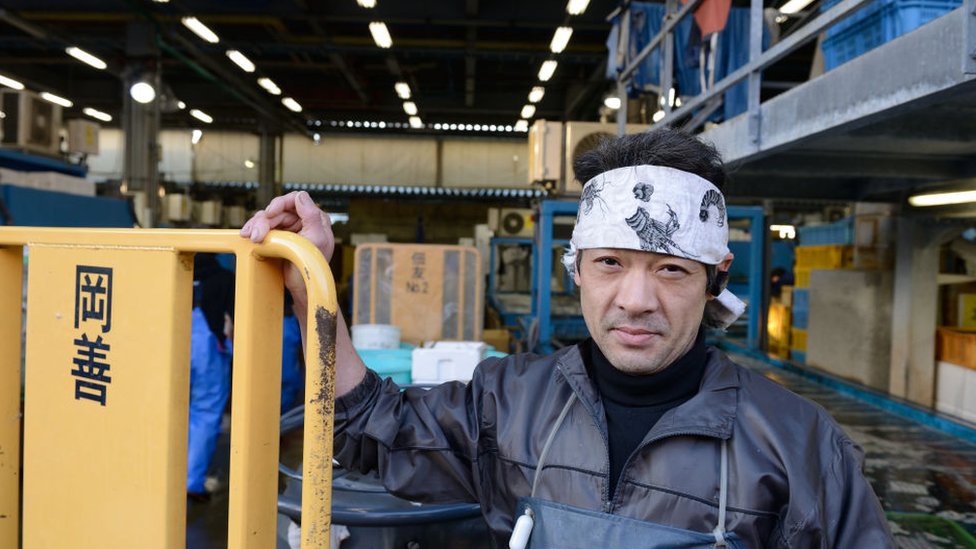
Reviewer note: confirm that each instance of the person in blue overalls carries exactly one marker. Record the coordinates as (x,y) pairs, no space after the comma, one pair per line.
(210,367)
(640,436)
(292,374)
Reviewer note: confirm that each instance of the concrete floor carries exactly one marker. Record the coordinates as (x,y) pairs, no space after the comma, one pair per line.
(924,477)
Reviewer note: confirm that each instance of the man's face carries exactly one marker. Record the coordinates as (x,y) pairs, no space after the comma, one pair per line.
(643,309)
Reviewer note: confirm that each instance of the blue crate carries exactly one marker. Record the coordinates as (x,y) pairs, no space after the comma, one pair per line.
(838,232)
(801,299)
(875,23)
(798,356)
(800,318)
(393,363)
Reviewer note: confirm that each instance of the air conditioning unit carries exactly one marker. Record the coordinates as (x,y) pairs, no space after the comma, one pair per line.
(30,123)
(582,137)
(546,152)
(83,136)
(511,222)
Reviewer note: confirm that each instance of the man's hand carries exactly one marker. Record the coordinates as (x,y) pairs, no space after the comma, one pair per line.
(295,212)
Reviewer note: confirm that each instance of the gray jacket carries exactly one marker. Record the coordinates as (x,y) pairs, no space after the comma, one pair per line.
(795,478)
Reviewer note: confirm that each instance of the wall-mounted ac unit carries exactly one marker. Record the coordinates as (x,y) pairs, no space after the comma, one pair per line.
(546,152)
(582,137)
(511,222)
(30,123)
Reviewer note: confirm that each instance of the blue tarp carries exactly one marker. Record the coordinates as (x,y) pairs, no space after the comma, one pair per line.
(733,52)
(27,207)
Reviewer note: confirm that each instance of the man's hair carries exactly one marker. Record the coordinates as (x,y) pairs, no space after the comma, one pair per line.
(668,148)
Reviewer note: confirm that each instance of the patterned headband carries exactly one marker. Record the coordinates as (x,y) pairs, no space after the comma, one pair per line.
(661,210)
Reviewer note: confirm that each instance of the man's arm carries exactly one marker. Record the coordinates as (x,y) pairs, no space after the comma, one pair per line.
(296,212)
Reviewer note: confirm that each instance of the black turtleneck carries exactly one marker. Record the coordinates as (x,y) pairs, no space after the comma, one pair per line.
(634,403)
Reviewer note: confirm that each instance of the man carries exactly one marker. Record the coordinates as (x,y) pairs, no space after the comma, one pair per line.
(640,436)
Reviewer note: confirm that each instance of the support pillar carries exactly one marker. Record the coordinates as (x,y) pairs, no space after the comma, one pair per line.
(269,186)
(140,126)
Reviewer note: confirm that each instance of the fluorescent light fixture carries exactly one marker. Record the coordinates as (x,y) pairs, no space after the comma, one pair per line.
(241,60)
(410,108)
(528,111)
(658,116)
(522,126)
(85,57)
(671,97)
(201,116)
(402,89)
(248,163)
(317,138)
(415,122)
(291,104)
(785,231)
(560,39)
(196,136)
(10,83)
(161,1)
(576,7)
(142,92)
(104,117)
(368,4)
(548,68)
(612,102)
(200,29)
(56,99)
(794,6)
(942,199)
(180,105)
(381,35)
(536,94)
(269,85)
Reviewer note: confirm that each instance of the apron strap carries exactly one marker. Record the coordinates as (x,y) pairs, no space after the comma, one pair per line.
(549,439)
(723,494)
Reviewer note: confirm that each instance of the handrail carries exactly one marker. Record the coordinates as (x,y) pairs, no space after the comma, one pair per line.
(253,481)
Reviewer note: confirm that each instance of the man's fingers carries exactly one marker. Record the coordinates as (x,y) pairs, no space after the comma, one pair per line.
(281,204)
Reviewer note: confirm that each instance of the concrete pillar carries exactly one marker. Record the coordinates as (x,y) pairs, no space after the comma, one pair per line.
(140,126)
(269,184)
(915,308)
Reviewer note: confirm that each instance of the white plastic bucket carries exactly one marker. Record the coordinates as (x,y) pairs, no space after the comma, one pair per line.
(375,336)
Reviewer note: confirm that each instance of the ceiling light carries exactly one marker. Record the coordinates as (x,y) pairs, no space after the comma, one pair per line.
(536,94)
(658,116)
(240,60)
(521,126)
(528,111)
(509,129)
(612,102)
(200,29)
(142,92)
(10,83)
(161,1)
(560,39)
(291,104)
(104,117)
(548,67)
(85,57)
(942,199)
(317,138)
(576,7)
(671,97)
(269,85)
(196,136)
(180,105)
(415,122)
(368,4)
(248,163)
(381,35)
(794,6)
(402,89)
(410,108)
(785,231)
(201,116)
(56,99)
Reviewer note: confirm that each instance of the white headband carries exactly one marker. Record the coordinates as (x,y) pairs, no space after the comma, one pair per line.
(657,209)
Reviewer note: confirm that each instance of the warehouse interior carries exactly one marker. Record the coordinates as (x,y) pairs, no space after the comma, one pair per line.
(440,138)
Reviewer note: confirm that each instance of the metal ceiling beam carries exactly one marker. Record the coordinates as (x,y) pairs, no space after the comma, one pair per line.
(470,62)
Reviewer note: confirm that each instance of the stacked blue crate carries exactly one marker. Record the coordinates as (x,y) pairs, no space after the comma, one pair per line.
(801,308)
(839,232)
(875,23)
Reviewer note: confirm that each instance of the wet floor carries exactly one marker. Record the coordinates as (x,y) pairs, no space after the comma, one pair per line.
(925,478)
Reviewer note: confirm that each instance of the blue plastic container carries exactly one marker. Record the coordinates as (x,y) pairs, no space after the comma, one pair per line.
(798,356)
(838,232)
(801,299)
(392,363)
(801,318)
(876,23)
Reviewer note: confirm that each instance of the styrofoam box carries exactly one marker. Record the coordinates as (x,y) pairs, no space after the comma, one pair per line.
(955,392)
(447,361)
